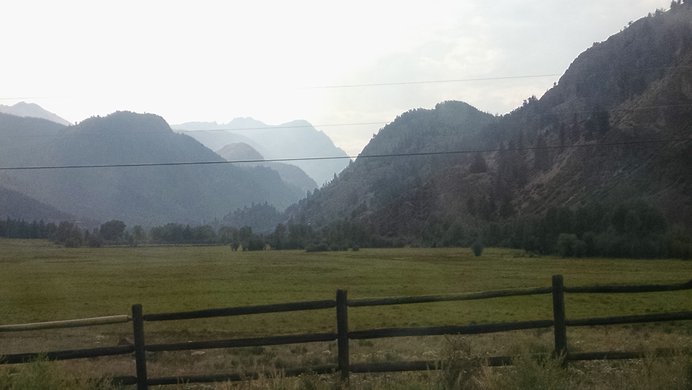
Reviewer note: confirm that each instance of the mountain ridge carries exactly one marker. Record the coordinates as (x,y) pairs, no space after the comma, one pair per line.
(290,174)
(292,140)
(538,156)
(138,195)
(32,110)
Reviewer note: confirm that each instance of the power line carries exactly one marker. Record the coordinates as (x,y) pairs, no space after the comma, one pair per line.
(279,127)
(349,124)
(399,83)
(322,158)
(381,84)
(272,127)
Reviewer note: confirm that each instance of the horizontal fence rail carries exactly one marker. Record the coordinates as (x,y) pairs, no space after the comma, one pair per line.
(245,310)
(342,334)
(67,355)
(241,343)
(448,298)
(66,323)
(421,365)
(633,319)
(631,288)
(447,330)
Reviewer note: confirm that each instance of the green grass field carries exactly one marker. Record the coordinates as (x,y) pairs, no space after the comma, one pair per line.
(43,282)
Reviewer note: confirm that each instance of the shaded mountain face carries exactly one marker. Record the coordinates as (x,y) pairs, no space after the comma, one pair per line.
(15,205)
(31,110)
(144,195)
(635,86)
(631,94)
(297,139)
(25,140)
(394,195)
(290,174)
(239,151)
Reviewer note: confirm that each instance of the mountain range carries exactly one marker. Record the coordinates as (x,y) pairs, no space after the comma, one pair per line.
(32,110)
(615,128)
(139,194)
(290,174)
(293,140)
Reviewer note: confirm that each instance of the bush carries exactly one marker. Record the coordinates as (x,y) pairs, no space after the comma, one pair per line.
(528,372)
(321,247)
(477,248)
(459,369)
(43,374)
(568,245)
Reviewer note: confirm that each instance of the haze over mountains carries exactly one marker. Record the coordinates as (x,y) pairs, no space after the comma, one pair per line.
(290,174)
(139,195)
(293,140)
(616,128)
(32,110)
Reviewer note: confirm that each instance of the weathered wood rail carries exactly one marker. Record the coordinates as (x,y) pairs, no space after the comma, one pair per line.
(342,335)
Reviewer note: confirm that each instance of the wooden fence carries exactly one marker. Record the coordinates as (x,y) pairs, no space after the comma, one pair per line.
(342,335)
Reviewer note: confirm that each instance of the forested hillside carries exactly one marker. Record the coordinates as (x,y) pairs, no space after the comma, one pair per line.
(614,132)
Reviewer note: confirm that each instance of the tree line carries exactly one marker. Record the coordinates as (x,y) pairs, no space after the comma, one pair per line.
(634,229)
(339,236)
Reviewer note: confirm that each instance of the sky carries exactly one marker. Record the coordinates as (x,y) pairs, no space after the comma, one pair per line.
(347,67)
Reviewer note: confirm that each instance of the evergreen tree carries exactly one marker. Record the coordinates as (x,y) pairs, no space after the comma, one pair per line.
(478,165)
(541,159)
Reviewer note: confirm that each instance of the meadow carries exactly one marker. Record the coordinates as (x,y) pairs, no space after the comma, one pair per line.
(40,281)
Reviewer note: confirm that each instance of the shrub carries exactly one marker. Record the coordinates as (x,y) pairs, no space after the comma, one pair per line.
(477,248)
(458,368)
(321,247)
(43,374)
(529,372)
(654,373)
(568,245)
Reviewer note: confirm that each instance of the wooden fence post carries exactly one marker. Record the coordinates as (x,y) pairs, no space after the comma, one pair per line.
(140,352)
(342,333)
(559,325)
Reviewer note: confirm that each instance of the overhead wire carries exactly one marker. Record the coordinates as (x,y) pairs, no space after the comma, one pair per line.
(279,127)
(444,81)
(317,158)
(381,84)
(398,83)
(361,156)
(178,129)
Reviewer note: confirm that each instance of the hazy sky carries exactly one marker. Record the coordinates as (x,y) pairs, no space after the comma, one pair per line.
(282,60)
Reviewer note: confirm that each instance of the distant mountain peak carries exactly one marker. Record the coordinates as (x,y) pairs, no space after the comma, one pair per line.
(295,140)
(239,151)
(32,110)
(120,121)
(245,122)
(298,122)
